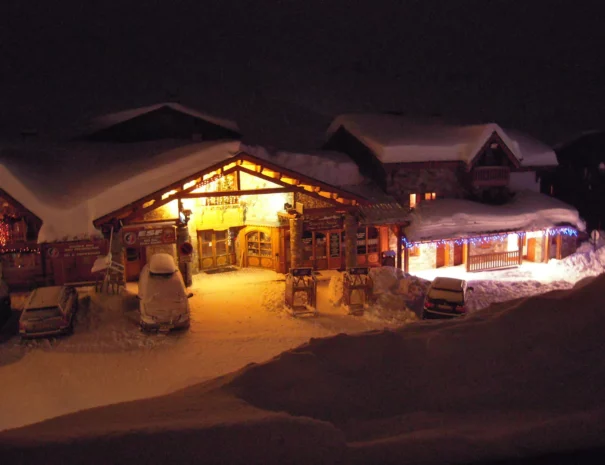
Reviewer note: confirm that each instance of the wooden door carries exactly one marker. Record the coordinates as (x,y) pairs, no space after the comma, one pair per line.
(440,251)
(458,254)
(335,249)
(531,249)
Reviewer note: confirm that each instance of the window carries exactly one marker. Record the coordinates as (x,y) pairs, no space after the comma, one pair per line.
(415,199)
(412,200)
(259,244)
(367,240)
(415,251)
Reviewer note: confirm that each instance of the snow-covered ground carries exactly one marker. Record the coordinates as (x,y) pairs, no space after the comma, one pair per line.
(517,379)
(238,318)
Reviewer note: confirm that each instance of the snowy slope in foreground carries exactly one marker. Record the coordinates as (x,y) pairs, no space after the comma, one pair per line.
(518,379)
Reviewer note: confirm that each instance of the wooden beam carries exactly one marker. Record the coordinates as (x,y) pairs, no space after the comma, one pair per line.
(201,195)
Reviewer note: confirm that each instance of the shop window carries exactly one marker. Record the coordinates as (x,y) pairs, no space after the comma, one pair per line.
(259,244)
(367,240)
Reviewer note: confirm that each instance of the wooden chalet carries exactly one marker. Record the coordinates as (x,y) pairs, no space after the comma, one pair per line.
(425,162)
(248,212)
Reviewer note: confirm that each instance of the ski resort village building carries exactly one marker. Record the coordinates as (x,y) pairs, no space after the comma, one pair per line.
(169,179)
(473,191)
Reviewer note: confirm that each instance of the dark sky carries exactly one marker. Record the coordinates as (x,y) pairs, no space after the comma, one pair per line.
(283,69)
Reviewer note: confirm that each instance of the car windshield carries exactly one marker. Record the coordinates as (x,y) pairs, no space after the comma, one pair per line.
(446,294)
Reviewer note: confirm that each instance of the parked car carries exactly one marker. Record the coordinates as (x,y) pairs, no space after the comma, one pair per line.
(49,311)
(5,302)
(446,298)
(163,297)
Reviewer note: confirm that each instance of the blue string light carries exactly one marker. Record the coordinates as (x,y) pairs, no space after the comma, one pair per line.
(487,239)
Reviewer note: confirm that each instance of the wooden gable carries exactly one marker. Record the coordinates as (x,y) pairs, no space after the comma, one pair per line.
(494,147)
(283,179)
(20,223)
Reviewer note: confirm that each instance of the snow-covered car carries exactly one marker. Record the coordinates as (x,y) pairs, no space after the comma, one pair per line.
(5,302)
(446,298)
(49,311)
(163,297)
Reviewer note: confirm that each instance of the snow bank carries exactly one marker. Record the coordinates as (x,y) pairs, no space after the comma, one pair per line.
(518,379)
(397,297)
(447,218)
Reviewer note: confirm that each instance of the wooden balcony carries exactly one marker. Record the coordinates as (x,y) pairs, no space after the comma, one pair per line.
(493,261)
(489,176)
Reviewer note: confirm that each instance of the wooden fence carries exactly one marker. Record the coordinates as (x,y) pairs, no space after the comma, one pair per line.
(493,261)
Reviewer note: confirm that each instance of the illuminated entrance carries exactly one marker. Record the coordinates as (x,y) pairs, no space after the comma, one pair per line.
(215,248)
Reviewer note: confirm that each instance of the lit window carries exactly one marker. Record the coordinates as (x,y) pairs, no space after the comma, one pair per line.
(412,200)
(430,196)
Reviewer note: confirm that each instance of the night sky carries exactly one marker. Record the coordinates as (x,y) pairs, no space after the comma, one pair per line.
(283,69)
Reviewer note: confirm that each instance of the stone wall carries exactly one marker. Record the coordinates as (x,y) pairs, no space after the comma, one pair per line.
(445,182)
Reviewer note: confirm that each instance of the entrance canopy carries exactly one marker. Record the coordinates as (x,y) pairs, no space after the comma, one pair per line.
(451,218)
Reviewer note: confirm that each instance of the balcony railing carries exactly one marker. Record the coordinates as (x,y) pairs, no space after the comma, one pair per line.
(493,261)
(486,176)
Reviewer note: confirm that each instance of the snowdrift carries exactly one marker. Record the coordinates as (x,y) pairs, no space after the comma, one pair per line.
(517,379)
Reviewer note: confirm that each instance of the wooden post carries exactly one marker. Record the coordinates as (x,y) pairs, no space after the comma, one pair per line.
(399,247)
(520,247)
(467,254)
(350,227)
(559,244)
(406,260)
(296,226)
(545,246)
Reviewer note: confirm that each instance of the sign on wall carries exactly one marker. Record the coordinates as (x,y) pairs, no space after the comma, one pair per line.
(74,249)
(149,236)
(326,222)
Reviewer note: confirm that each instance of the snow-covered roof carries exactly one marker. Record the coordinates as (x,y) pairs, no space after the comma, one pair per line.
(449,218)
(334,168)
(69,185)
(396,139)
(112,119)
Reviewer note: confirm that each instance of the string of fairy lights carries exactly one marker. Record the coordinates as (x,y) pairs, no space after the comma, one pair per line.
(479,240)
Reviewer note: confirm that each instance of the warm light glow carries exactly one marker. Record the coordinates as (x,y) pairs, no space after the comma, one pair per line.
(168,194)
(189,184)
(412,200)
(512,243)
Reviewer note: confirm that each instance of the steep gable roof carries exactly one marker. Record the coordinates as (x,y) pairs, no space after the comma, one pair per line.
(112,119)
(396,139)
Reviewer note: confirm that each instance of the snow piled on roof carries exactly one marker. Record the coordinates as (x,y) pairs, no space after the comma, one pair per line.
(112,119)
(472,390)
(448,218)
(396,139)
(333,168)
(68,186)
